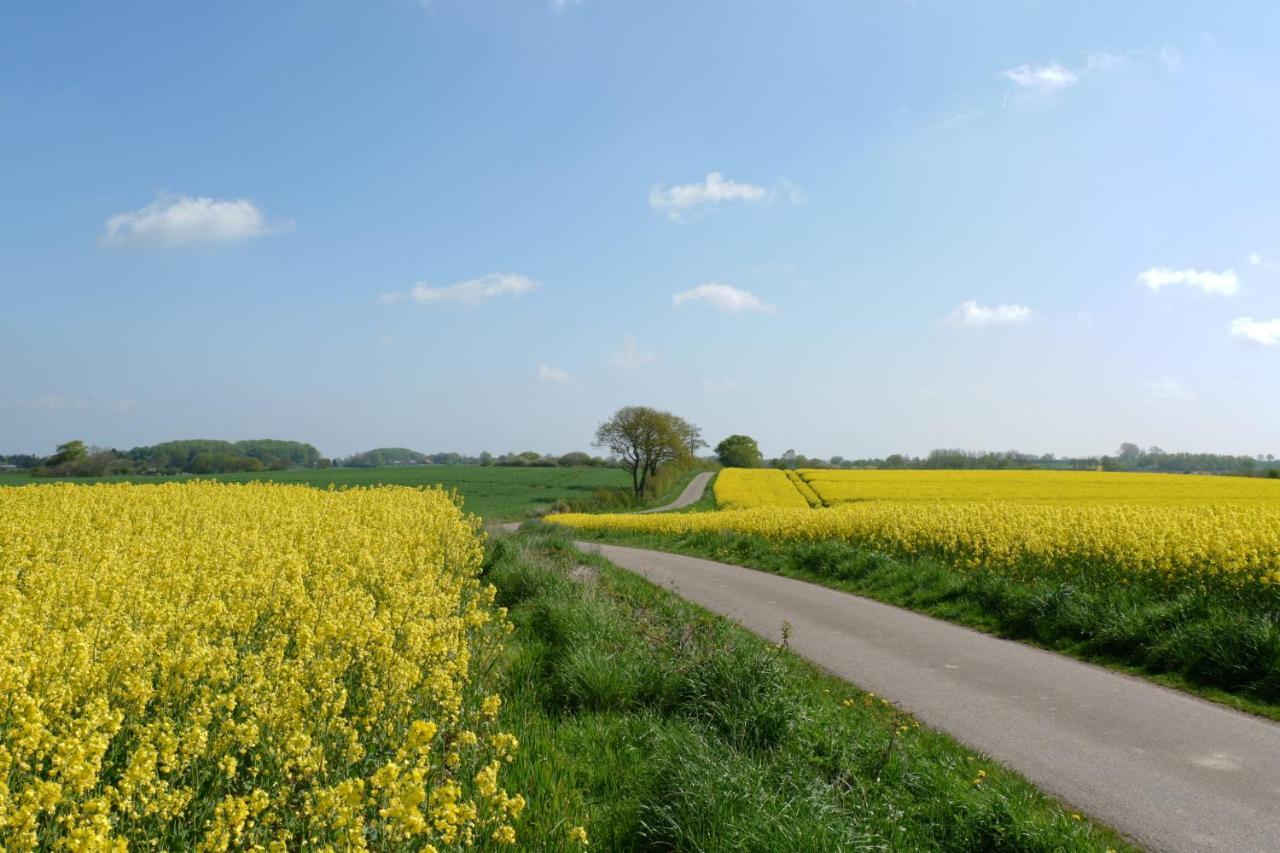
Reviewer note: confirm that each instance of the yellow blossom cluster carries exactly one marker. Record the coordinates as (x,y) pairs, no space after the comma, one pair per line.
(1230,543)
(741,488)
(204,666)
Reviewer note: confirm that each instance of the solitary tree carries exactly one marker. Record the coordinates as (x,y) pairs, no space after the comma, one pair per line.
(645,439)
(739,451)
(71,451)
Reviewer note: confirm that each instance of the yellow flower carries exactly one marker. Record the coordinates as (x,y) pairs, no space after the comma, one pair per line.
(1204,533)
(276,635)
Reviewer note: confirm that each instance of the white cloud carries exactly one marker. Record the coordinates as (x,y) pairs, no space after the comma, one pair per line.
(564,5)
(1032,79)
(723,297)
(1158,278)
(714,189)
(471,292)
(1255,258)
(1264,332)
(971,314)
(547,373)
(172,221)
(631,355)
(1167,389)
(1041,78)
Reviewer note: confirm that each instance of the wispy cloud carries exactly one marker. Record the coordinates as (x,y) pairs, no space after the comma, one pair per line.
(471,292)
(723,297)
(630,355)
(1041,78)
(970,314)
(547,373)
(564,5)
(792,191)
(1166,389)
(1032,80)
(1264,332)
(960,118)
(172,221)
(1223,283)
(715,189)
(1256,260)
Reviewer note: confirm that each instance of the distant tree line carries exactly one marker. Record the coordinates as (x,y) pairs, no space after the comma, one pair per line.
(194,456)
(1131,457)
(639,439)
(740,451)
(387,456)
(20,460)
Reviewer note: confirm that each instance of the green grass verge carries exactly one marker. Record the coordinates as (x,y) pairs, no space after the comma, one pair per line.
(659,726)
(1227,651)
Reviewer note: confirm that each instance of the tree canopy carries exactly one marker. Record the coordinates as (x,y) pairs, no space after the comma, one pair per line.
(645,439)
(380,456)
(739,451)
(209,456)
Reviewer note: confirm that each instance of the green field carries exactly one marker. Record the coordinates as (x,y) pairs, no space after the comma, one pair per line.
(496,493)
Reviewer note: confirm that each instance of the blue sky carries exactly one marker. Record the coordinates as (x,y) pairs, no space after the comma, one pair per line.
(847,228)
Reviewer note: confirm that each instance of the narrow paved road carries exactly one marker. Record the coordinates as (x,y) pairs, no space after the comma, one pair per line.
(691,495)
(1171,771)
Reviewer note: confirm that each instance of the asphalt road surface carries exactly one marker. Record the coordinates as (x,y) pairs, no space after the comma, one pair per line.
(691,495)
(1170,771)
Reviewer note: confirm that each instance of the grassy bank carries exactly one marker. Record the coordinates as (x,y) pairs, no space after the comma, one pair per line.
(658,726)
(1226,649)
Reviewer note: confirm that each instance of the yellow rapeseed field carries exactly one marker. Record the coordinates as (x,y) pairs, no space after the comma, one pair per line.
(207,667)
(740,488)
(1107,528)
(1042,487)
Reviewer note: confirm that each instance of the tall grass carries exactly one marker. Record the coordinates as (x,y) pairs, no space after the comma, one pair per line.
(661,727)
(1227,646)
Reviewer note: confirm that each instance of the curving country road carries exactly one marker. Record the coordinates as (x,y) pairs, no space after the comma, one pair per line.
(691,495)
(1170,771)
